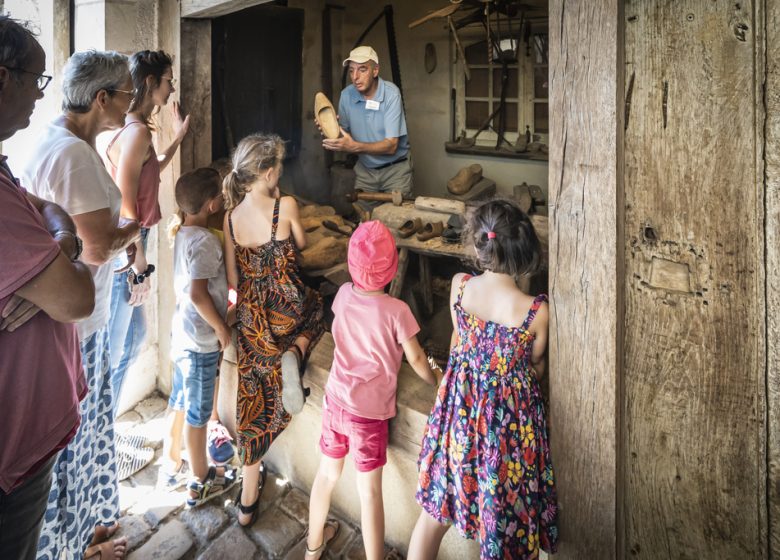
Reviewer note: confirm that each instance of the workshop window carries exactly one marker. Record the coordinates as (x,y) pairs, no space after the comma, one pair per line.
(522,68)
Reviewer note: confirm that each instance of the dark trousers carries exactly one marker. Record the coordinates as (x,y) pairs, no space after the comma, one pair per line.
(21,514)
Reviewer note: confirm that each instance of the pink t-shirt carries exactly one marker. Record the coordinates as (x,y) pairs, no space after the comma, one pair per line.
(368,332)
(41,379)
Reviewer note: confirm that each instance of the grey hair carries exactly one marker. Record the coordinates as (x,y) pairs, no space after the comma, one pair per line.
(88,72)
(16,43)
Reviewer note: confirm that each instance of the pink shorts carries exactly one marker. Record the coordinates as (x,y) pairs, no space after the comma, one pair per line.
(342,430)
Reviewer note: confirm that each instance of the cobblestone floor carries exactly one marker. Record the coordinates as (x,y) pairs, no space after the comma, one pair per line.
(159,527)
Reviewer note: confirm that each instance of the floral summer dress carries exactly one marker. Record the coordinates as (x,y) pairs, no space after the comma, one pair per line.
(274,308)
(485,461)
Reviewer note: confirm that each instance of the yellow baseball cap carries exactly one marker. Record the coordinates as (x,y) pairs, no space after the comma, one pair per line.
(361,54)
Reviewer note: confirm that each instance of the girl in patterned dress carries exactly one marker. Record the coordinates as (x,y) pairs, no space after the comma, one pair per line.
(278,317)
(485,461)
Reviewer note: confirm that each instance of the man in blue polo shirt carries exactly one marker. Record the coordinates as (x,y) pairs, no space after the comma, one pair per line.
(373,126)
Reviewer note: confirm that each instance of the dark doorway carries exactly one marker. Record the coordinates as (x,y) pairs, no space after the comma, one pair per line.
(257,58)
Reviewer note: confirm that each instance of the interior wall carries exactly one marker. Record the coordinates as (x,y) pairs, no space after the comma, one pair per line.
(426,99)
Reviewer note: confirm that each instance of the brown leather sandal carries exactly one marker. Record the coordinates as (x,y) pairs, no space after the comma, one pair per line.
(317,552)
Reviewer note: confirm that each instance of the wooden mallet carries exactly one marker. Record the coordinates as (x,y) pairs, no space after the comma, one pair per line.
(396,197)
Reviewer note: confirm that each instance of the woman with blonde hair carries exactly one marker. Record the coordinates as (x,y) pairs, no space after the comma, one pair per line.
(278,317)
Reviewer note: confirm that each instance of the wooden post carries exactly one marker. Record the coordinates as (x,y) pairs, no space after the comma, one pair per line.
(586,91)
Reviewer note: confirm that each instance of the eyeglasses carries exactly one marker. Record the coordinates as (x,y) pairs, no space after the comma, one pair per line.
(131,93)
(42,79)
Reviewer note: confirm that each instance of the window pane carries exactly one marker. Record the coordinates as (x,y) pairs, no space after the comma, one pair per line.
(477,86)
(540,82)
(477,53)
(511,117)
(511,86)
(541,123)
(476,113)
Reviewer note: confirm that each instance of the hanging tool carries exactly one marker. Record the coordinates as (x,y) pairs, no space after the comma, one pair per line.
(461,52)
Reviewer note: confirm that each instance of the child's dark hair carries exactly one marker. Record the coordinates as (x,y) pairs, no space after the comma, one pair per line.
(504,239)
(253,156)
(142,65)
(192,191)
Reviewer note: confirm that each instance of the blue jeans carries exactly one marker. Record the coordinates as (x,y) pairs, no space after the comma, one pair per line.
(194,376)
(126,327)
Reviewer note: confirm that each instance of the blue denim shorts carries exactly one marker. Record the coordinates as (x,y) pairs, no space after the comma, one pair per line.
(194,374)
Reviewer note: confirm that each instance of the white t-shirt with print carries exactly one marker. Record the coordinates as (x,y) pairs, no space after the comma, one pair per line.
(197,255)
(66,170)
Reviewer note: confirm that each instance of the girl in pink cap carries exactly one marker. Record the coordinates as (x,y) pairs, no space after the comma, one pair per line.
(371,333)
(485,462)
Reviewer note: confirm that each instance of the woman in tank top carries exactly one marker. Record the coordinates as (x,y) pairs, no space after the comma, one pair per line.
(135,165)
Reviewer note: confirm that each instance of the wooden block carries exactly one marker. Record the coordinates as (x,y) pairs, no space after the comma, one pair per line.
(522,194)
(394,216)
(442,205)
(316,210)
(485,188)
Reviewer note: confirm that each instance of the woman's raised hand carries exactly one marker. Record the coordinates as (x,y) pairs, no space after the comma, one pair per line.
(181,125)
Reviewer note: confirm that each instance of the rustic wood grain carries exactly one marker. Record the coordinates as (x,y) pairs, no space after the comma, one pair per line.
(215,8)
(195,92)
(585,89)
(694,347)
(772,229)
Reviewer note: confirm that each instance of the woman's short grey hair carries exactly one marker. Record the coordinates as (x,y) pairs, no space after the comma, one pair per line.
(86,73)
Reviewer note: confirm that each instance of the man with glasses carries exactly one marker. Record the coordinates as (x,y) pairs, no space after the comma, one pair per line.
(41,379)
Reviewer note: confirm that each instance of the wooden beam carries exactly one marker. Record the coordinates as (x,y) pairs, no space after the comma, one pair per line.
(215,8)
(585,277)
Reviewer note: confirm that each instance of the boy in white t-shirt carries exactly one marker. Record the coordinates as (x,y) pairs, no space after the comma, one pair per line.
(371,332)
(199,334)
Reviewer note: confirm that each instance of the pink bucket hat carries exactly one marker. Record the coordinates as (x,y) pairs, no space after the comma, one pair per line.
(372,257)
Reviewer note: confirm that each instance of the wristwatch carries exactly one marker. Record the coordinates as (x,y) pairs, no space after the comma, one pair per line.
(76,241)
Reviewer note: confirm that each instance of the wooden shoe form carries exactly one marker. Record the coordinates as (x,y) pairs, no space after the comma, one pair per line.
(429,231)
(464,179)
(326,116)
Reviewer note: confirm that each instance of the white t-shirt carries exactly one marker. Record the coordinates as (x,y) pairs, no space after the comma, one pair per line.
(66,170)
(197,255)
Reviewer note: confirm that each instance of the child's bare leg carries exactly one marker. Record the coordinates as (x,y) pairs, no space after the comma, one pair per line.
(328,475)
(214,413)
(172,443)
(249,490)
(303,344)
(426,538)
(196,447)
(372,513)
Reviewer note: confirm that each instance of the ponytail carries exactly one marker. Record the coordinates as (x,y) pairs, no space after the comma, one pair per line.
(174,225)
(253,156)
(232,190)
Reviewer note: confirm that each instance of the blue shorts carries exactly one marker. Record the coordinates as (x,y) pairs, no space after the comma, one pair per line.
(194,374)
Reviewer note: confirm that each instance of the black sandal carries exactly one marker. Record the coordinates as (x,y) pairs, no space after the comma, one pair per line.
(252,509)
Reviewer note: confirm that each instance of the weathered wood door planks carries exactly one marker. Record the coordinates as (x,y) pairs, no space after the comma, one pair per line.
(695,320)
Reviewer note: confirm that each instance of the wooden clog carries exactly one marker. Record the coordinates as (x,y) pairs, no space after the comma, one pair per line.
(326,116)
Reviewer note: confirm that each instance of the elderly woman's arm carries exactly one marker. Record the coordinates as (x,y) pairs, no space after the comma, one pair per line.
(102,239)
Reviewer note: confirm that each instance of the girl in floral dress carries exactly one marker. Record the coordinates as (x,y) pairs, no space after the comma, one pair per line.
(485,462)
(279,318)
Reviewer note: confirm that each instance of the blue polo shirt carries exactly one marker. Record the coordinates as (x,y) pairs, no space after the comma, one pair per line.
(374,125)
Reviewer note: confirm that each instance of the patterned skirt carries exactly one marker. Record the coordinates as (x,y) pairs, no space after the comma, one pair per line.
(84,489)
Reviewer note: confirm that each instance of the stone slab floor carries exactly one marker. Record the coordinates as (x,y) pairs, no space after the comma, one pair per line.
(159,527)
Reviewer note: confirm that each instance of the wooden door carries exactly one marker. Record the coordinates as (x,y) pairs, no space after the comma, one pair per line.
(695,316)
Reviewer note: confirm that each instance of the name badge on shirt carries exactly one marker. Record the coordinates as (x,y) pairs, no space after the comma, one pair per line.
(372,105)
